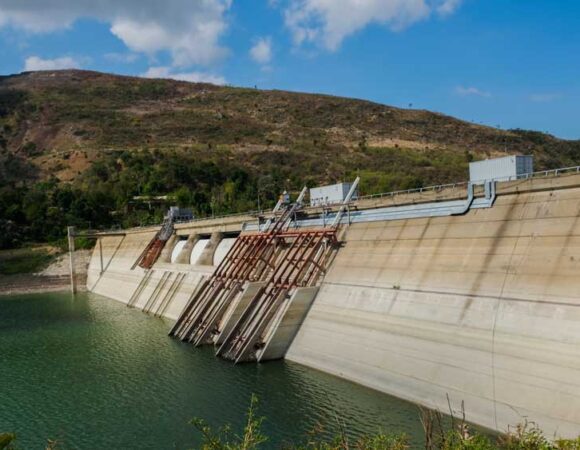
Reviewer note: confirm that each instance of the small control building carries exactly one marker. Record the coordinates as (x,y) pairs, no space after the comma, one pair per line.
(330,195)
(504,169)
(180,214)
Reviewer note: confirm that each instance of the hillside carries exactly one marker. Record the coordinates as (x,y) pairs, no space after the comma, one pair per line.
(218,146)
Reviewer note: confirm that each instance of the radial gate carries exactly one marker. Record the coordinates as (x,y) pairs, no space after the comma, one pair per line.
(150,254)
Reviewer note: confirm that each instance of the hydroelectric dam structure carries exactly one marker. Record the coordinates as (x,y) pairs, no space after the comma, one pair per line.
(464,293)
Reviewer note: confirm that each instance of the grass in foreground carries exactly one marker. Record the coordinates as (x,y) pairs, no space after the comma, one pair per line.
(440,434)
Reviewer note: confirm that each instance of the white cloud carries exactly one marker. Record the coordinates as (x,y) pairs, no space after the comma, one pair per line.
(471,91)
(33,63)
(448,7)
(261,52)
(189,29)
(545,98)
(329,22)
(194,77)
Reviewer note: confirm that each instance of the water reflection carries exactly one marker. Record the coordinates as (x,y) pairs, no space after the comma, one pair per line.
(95,374)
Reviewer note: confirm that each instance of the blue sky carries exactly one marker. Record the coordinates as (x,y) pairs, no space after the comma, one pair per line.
(508,63)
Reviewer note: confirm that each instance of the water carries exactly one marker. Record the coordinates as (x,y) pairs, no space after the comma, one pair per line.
(94,374)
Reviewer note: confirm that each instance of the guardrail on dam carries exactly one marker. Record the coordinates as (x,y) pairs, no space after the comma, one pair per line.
(482,306)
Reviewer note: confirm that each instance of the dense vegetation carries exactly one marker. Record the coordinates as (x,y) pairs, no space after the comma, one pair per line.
(103,196)
(77,147)
(110,192)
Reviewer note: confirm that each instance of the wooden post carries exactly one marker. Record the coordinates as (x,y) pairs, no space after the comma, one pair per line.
(101,253)
(71,250)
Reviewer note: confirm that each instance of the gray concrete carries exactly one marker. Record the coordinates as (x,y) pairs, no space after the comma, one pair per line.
(165,255)
(185,253)
(237,307)
(206,258)
(285,325)
(483,307)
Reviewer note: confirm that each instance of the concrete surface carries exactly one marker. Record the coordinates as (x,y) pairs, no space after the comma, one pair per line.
(185,254)
(483,307)
(206,257)
(286,324)
(119,282)
(237,308)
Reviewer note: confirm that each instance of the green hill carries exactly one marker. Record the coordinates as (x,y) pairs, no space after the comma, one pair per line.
(76,146)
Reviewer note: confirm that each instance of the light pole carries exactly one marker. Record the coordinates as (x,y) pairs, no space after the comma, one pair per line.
(71,252)
(263,182)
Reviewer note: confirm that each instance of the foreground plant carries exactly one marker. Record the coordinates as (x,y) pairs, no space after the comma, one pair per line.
(441,433)
(224,439)
(377,442)
(6,441)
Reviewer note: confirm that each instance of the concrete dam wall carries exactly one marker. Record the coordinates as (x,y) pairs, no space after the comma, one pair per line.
(481,308)
(165,289)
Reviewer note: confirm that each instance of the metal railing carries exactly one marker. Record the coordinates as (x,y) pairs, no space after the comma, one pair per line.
(540,174)
(441,187)
(435,188)
(427,189)
(224,216)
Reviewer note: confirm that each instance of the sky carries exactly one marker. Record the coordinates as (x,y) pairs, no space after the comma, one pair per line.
(504,63)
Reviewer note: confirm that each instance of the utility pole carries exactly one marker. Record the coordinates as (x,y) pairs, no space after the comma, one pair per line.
(71,250)
(101,254)
(264,182)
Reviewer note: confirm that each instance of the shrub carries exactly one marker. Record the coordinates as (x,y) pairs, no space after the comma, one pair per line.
(6,441)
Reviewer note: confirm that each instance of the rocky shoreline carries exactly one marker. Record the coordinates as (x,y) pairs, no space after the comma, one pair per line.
(32,283)
(54,278)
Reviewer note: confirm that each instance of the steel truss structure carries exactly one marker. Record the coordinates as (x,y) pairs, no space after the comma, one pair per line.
(280,257)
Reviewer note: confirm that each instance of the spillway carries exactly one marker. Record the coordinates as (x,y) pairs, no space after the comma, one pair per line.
(198,250)
(177,249)
(222,250)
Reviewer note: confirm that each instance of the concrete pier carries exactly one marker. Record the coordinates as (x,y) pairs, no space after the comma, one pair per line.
(185,254)
(206,258)
(165,255)
(236,309)
(71,252)
(287,323)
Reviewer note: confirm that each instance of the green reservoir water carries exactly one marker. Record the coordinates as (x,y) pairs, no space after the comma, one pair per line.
(94,374)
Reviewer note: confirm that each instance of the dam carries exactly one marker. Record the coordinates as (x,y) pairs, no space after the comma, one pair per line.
(464,294)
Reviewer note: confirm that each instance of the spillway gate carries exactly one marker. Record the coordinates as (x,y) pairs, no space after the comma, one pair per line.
(151,253)
(246,298)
